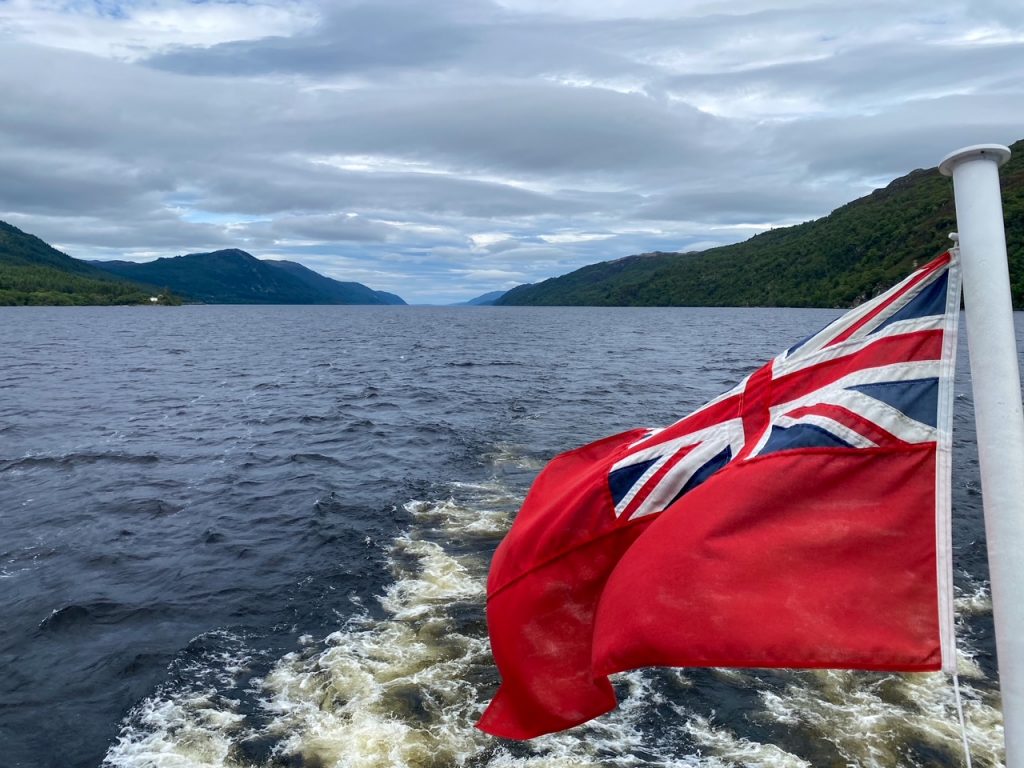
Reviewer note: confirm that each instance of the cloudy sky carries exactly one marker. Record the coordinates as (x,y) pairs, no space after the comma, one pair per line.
(440,149)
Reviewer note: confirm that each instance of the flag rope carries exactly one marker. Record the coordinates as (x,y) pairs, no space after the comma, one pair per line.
(960,717)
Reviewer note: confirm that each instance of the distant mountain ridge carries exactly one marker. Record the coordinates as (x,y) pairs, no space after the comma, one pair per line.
(345,292)
(485,300)
(233,276)
(835,261)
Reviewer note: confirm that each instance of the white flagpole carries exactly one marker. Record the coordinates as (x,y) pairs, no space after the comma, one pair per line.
(997,411)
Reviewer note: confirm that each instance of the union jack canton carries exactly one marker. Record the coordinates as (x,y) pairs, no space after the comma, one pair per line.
(877,377)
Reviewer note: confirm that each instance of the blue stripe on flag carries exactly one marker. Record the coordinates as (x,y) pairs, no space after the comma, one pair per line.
(621,480)
(801,436)
(918,398)
(707,470)
(930,301)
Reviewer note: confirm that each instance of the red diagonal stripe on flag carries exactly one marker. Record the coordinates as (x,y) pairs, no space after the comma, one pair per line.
(924,274)
(851,419)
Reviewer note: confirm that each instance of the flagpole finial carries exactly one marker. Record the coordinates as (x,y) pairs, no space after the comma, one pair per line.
(996,152)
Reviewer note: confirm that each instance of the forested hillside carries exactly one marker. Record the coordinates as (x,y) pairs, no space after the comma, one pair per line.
(32,272)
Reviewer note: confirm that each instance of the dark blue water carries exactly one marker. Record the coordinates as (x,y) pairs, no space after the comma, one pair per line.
(235,536)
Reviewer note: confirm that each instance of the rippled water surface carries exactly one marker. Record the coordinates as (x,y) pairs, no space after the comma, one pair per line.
(258,536)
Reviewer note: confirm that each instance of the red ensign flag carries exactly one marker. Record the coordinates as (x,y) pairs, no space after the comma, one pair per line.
(801,519)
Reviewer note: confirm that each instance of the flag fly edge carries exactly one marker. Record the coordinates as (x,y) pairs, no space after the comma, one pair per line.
(944,469)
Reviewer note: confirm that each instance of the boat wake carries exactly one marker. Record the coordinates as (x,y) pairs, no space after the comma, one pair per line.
(403,685)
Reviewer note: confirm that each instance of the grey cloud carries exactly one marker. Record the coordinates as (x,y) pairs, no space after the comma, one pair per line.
(875,72)
(484,39)
(354,37)
(777,199)
(917,134)
(501,247)
(534,129)
(95,236)
(331,227)
(396,39)
(216,128)
(312,188)
(58,182)
(1007,12)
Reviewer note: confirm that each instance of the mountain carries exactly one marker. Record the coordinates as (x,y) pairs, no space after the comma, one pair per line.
(391,298)
(233,276)
(482,301)
(835,261)
(344,292)
(32,272)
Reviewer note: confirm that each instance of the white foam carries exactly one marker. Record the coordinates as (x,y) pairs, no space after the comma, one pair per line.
(395,692)
(178,733)
(187,728)
(508,455)
(381,695)
(974,600)
(731,750)
(462,519)
(440,579)
(870,719)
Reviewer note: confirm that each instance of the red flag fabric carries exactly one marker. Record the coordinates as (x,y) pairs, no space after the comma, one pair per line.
(801,519)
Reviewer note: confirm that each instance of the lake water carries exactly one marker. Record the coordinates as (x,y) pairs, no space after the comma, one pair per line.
(258,536)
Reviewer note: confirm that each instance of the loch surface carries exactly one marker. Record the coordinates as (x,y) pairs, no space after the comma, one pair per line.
(259,536)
